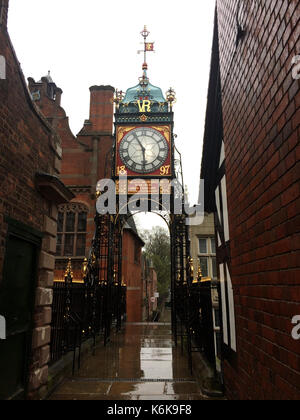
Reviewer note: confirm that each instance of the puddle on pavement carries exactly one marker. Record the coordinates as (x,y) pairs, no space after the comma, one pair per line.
(139,363)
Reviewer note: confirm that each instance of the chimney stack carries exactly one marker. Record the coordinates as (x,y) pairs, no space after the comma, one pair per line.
(101,109)
(3,13)
(58,93)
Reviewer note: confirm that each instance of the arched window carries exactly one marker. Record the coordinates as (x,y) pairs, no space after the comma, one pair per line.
(71,230)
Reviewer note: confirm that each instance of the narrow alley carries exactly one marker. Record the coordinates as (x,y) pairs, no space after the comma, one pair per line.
(140,363)
(150,203)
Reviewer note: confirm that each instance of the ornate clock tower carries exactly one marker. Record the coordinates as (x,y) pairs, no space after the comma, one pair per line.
(144,147)
(143,155)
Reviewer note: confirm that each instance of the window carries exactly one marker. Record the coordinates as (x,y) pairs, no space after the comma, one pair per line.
(204,266)
(203,246)
(213,245)
(207,257)
(71,230)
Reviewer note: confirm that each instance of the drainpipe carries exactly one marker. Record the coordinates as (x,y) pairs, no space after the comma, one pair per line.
(94,163)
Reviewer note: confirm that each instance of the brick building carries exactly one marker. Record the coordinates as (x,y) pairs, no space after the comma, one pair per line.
(132,271)
(30,191)
(149,289)
(87,158)
(251,170)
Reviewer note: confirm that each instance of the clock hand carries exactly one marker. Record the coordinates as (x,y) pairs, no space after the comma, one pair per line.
(140,143)
(144,157)
(143,151)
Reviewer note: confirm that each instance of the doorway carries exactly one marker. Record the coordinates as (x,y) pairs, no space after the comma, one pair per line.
(16,306)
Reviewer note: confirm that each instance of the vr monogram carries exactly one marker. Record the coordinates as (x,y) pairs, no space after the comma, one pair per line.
(144,106)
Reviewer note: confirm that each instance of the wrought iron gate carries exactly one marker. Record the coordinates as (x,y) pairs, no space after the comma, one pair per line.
(89,309)
(98,305)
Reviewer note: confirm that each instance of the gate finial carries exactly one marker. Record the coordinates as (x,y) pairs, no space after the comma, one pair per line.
(84,268)
(199,273)
(69,273)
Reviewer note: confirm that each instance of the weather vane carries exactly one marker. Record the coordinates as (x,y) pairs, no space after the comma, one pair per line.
(148,46)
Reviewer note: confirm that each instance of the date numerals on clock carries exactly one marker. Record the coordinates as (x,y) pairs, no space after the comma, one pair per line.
(165,170)
(121,170)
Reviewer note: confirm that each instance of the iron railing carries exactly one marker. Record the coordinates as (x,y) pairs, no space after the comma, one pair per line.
(80,313)
(194,318)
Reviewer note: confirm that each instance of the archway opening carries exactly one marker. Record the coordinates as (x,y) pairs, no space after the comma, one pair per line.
(154,283)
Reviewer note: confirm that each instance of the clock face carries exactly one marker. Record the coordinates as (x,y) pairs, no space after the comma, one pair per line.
(144,150)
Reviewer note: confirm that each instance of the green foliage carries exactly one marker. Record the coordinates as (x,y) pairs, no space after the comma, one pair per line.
(158,250)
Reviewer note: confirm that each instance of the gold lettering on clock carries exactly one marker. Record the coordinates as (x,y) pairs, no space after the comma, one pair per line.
(121,170)
(165,170)
(144,106)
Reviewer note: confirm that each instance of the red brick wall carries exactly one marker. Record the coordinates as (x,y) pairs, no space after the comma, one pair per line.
(86,158)
(261,134)
(132,272)
(28,145)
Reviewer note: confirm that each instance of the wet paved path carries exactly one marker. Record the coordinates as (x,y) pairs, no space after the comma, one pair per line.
(140,363)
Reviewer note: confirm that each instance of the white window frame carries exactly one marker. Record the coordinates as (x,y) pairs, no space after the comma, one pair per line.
(209,255)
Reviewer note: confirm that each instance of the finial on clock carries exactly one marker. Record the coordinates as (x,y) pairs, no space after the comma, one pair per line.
(148,47)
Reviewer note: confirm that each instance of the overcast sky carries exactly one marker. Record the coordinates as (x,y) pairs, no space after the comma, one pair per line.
(95,42)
